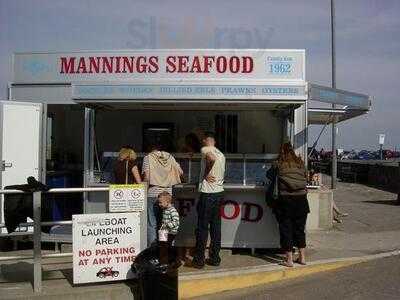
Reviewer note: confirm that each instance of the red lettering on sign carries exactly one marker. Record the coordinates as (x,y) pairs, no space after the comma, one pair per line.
(248,64)
(107,64)
(196,68)
(118,64)
(170,67)
(67,65)
(248,208)
(145,64)
(81,66)
(183,64)
(208,61)
(221,64)
(85,253)
(94,64)
(153,64)
(127,62)
(236,210)
(141,65)
(234,64)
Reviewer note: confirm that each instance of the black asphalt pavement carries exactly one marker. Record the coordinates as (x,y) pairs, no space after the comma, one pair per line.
(375,280)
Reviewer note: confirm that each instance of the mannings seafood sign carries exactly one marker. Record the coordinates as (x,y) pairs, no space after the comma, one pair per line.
(177,64)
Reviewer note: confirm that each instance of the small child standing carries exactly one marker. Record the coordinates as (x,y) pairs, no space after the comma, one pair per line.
(169,226)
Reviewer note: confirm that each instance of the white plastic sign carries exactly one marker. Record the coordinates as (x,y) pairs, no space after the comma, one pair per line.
(381,139)
(104,246)
(127,197)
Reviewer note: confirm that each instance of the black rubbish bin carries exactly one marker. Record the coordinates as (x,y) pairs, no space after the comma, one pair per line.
(156,280)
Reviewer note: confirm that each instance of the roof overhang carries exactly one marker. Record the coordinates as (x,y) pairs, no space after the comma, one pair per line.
(338,97)
(322,116)
(348,105)
(192,106)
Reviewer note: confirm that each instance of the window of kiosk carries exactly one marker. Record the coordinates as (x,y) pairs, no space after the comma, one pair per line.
(256,167)
(180,132)
(234,169)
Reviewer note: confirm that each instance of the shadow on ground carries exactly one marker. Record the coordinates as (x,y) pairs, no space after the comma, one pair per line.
(272,256)
(68,274)
(383,202)
(17,272)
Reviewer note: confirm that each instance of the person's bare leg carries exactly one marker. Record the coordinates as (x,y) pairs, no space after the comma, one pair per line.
(289,259)
(302,256)
(335,208)
(337,212)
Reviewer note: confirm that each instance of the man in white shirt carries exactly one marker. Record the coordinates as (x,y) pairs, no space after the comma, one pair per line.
(211,188)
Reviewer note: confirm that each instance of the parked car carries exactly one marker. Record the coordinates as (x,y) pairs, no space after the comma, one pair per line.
(388,154)
(107,272)
(365,155)
(349,155)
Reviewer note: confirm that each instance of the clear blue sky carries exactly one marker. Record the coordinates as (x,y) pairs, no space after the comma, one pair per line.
(368,41)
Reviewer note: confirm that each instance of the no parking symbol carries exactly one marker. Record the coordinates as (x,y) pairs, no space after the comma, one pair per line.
(118,194)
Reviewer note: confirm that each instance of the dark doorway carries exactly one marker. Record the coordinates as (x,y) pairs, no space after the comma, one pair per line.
(160,134)
(226,130)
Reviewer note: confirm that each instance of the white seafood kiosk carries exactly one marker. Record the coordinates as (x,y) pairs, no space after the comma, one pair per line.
(100,101)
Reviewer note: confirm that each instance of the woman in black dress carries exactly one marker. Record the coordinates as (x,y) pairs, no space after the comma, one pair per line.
(291,207)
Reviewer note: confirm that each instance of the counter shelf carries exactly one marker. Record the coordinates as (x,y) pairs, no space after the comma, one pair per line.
(242,170)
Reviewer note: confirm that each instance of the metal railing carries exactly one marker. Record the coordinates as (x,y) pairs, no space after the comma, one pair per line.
(37,232)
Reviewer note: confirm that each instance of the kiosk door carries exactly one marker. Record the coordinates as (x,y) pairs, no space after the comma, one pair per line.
(20,144)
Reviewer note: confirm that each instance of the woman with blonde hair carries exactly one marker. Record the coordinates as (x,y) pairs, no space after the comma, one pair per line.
(126,170)
(291,206)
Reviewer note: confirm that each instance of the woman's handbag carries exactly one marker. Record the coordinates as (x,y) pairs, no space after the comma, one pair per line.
(293,179)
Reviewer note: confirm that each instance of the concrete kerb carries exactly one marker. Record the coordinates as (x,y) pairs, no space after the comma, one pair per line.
(195,284)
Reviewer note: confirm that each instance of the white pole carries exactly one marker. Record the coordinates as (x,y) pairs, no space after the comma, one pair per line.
(333,53)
